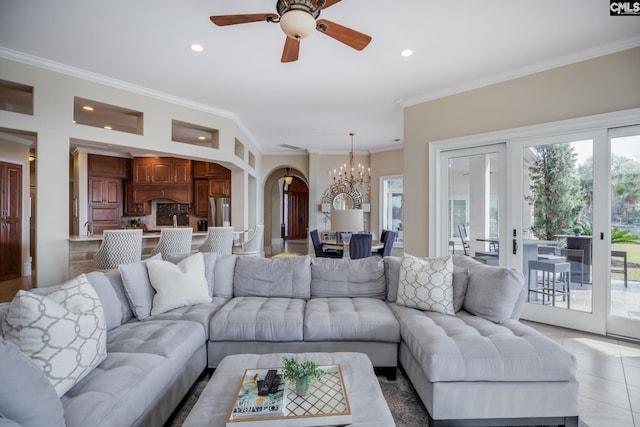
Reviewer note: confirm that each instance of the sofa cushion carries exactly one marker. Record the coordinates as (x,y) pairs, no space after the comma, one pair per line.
(267,277)
(493,292)
(175,340)
(465,347)
(392,276)
(23,386)
(63,332)
(118,391)
(178,285)
(223,275)
(137,286)
(338,277)
(111,304)
(344,319)
(258,319)
(426,284)
(199,313)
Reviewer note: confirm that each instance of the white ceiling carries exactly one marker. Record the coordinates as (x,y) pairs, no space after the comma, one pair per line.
(332,89)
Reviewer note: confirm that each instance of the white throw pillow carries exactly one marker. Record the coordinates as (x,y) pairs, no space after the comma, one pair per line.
(178,284)
(63,332)
(426,284)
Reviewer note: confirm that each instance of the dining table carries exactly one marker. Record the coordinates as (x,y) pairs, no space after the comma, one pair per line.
(341,245)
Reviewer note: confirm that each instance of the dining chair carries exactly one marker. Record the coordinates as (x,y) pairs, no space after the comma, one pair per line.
(219,240)
(360,246)
(387,239)
(319,250)
(118,247)
(462,232)
(173,241)
(252,245)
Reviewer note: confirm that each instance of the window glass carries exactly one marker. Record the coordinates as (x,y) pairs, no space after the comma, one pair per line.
(391,206)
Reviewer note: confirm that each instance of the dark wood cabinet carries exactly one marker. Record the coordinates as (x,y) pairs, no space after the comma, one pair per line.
(219,187)
(10,221)
(105,203)
(161,171)
(131,208)
(113,167)
(211,180)
(201,197)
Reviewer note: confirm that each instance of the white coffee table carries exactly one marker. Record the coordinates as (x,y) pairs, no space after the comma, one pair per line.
(368,406)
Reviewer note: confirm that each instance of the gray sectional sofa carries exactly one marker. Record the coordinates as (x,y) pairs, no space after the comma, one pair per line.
(470,368)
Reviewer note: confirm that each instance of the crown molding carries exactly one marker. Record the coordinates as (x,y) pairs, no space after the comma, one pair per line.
(68,70)
(525,71)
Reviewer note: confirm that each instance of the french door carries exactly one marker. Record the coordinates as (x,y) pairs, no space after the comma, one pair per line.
(559,203)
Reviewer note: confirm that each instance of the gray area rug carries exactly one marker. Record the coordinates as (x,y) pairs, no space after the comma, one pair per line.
(406,407)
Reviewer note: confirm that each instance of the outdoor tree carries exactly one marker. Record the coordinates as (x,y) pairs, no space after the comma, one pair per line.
(556,195)
(625,187)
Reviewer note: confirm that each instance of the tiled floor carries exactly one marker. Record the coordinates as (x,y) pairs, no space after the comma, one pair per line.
(608,373)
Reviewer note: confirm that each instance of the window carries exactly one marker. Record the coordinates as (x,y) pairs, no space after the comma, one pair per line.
(391,200)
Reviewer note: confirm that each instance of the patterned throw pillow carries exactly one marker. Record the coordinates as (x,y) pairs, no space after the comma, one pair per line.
(63,332)
(426,284)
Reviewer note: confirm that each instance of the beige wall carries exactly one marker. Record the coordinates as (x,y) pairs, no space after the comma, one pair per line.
(604,84)
(52,121)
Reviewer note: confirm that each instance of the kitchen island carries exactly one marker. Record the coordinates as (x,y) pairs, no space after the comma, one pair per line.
(83,248)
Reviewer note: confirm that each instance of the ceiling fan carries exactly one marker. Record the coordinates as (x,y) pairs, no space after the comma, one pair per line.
(298,19)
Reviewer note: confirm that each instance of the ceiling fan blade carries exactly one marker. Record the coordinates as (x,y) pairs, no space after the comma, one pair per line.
(223,20)
(329,3)
(353,38)
(291,50)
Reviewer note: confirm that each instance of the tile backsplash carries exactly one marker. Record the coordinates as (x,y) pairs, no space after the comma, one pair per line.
(166,211)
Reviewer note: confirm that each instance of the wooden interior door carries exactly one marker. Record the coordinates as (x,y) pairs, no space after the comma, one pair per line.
(10,221)
(297,196)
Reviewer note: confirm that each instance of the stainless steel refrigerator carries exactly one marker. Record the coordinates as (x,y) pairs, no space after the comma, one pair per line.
(219,211)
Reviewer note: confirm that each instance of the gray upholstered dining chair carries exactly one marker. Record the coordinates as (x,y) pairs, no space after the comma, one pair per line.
(360,246)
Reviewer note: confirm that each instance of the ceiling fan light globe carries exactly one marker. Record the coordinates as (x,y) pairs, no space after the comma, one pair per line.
(297,24)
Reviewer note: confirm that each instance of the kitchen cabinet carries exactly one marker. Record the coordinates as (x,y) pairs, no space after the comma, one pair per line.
(131,208)
(207,169)
(107,166)
(219,187)
(105,203)
(161,171)
(10,221)
(201,198)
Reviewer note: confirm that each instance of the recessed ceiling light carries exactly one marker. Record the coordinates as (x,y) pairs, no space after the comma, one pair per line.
(107,127)
(406,53)
(196,47)
(202,138)
(87,108)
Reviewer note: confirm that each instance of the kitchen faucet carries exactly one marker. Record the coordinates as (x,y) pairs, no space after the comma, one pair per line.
(89,226)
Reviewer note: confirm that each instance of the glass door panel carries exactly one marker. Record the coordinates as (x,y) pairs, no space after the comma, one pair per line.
(624,299)
(557,204)
(473,195)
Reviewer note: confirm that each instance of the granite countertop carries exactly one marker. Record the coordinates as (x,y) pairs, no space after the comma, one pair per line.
(151,234)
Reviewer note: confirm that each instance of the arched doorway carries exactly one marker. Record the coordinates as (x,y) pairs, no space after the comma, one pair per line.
(295,210)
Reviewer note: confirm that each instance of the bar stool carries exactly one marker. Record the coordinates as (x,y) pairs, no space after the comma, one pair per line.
(118,247)
(219,240)
(554,273)
(173,241)
(576,258)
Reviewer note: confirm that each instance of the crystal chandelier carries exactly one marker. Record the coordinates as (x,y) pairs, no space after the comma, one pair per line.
(353,178)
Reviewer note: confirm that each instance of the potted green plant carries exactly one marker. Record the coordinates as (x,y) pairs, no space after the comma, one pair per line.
(301,374)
